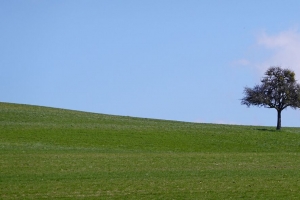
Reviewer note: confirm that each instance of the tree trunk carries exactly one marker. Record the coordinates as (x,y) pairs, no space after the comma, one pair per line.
(278,120)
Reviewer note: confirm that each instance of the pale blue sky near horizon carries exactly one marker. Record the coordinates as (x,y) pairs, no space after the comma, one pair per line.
(175,60)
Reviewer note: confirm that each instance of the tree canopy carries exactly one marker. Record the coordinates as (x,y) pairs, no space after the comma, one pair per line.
(278,89)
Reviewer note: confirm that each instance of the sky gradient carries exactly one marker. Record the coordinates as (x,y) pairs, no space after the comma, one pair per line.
(175,60)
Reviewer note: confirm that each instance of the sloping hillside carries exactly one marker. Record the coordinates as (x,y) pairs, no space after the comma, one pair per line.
(23,124)
(56,153)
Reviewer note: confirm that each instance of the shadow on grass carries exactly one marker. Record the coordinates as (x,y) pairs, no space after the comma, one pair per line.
(267,130)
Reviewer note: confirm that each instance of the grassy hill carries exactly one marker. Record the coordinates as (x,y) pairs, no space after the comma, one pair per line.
(55,153)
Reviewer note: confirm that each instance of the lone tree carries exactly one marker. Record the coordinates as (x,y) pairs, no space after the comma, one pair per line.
(278,90)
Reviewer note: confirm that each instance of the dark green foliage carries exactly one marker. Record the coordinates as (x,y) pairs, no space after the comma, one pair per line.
(278,90)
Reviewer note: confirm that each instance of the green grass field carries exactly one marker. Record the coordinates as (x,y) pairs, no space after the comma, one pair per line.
(51,153)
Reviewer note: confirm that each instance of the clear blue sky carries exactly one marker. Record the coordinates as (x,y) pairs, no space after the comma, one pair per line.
(166,59)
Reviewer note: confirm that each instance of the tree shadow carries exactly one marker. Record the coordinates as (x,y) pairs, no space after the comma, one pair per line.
(267,130)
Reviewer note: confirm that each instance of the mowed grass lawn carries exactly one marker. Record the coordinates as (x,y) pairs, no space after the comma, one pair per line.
(51,153)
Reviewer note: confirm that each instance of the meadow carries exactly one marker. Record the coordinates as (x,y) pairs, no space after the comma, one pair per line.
(49,153)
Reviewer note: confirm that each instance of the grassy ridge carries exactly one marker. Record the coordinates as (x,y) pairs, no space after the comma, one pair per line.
(56,153)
